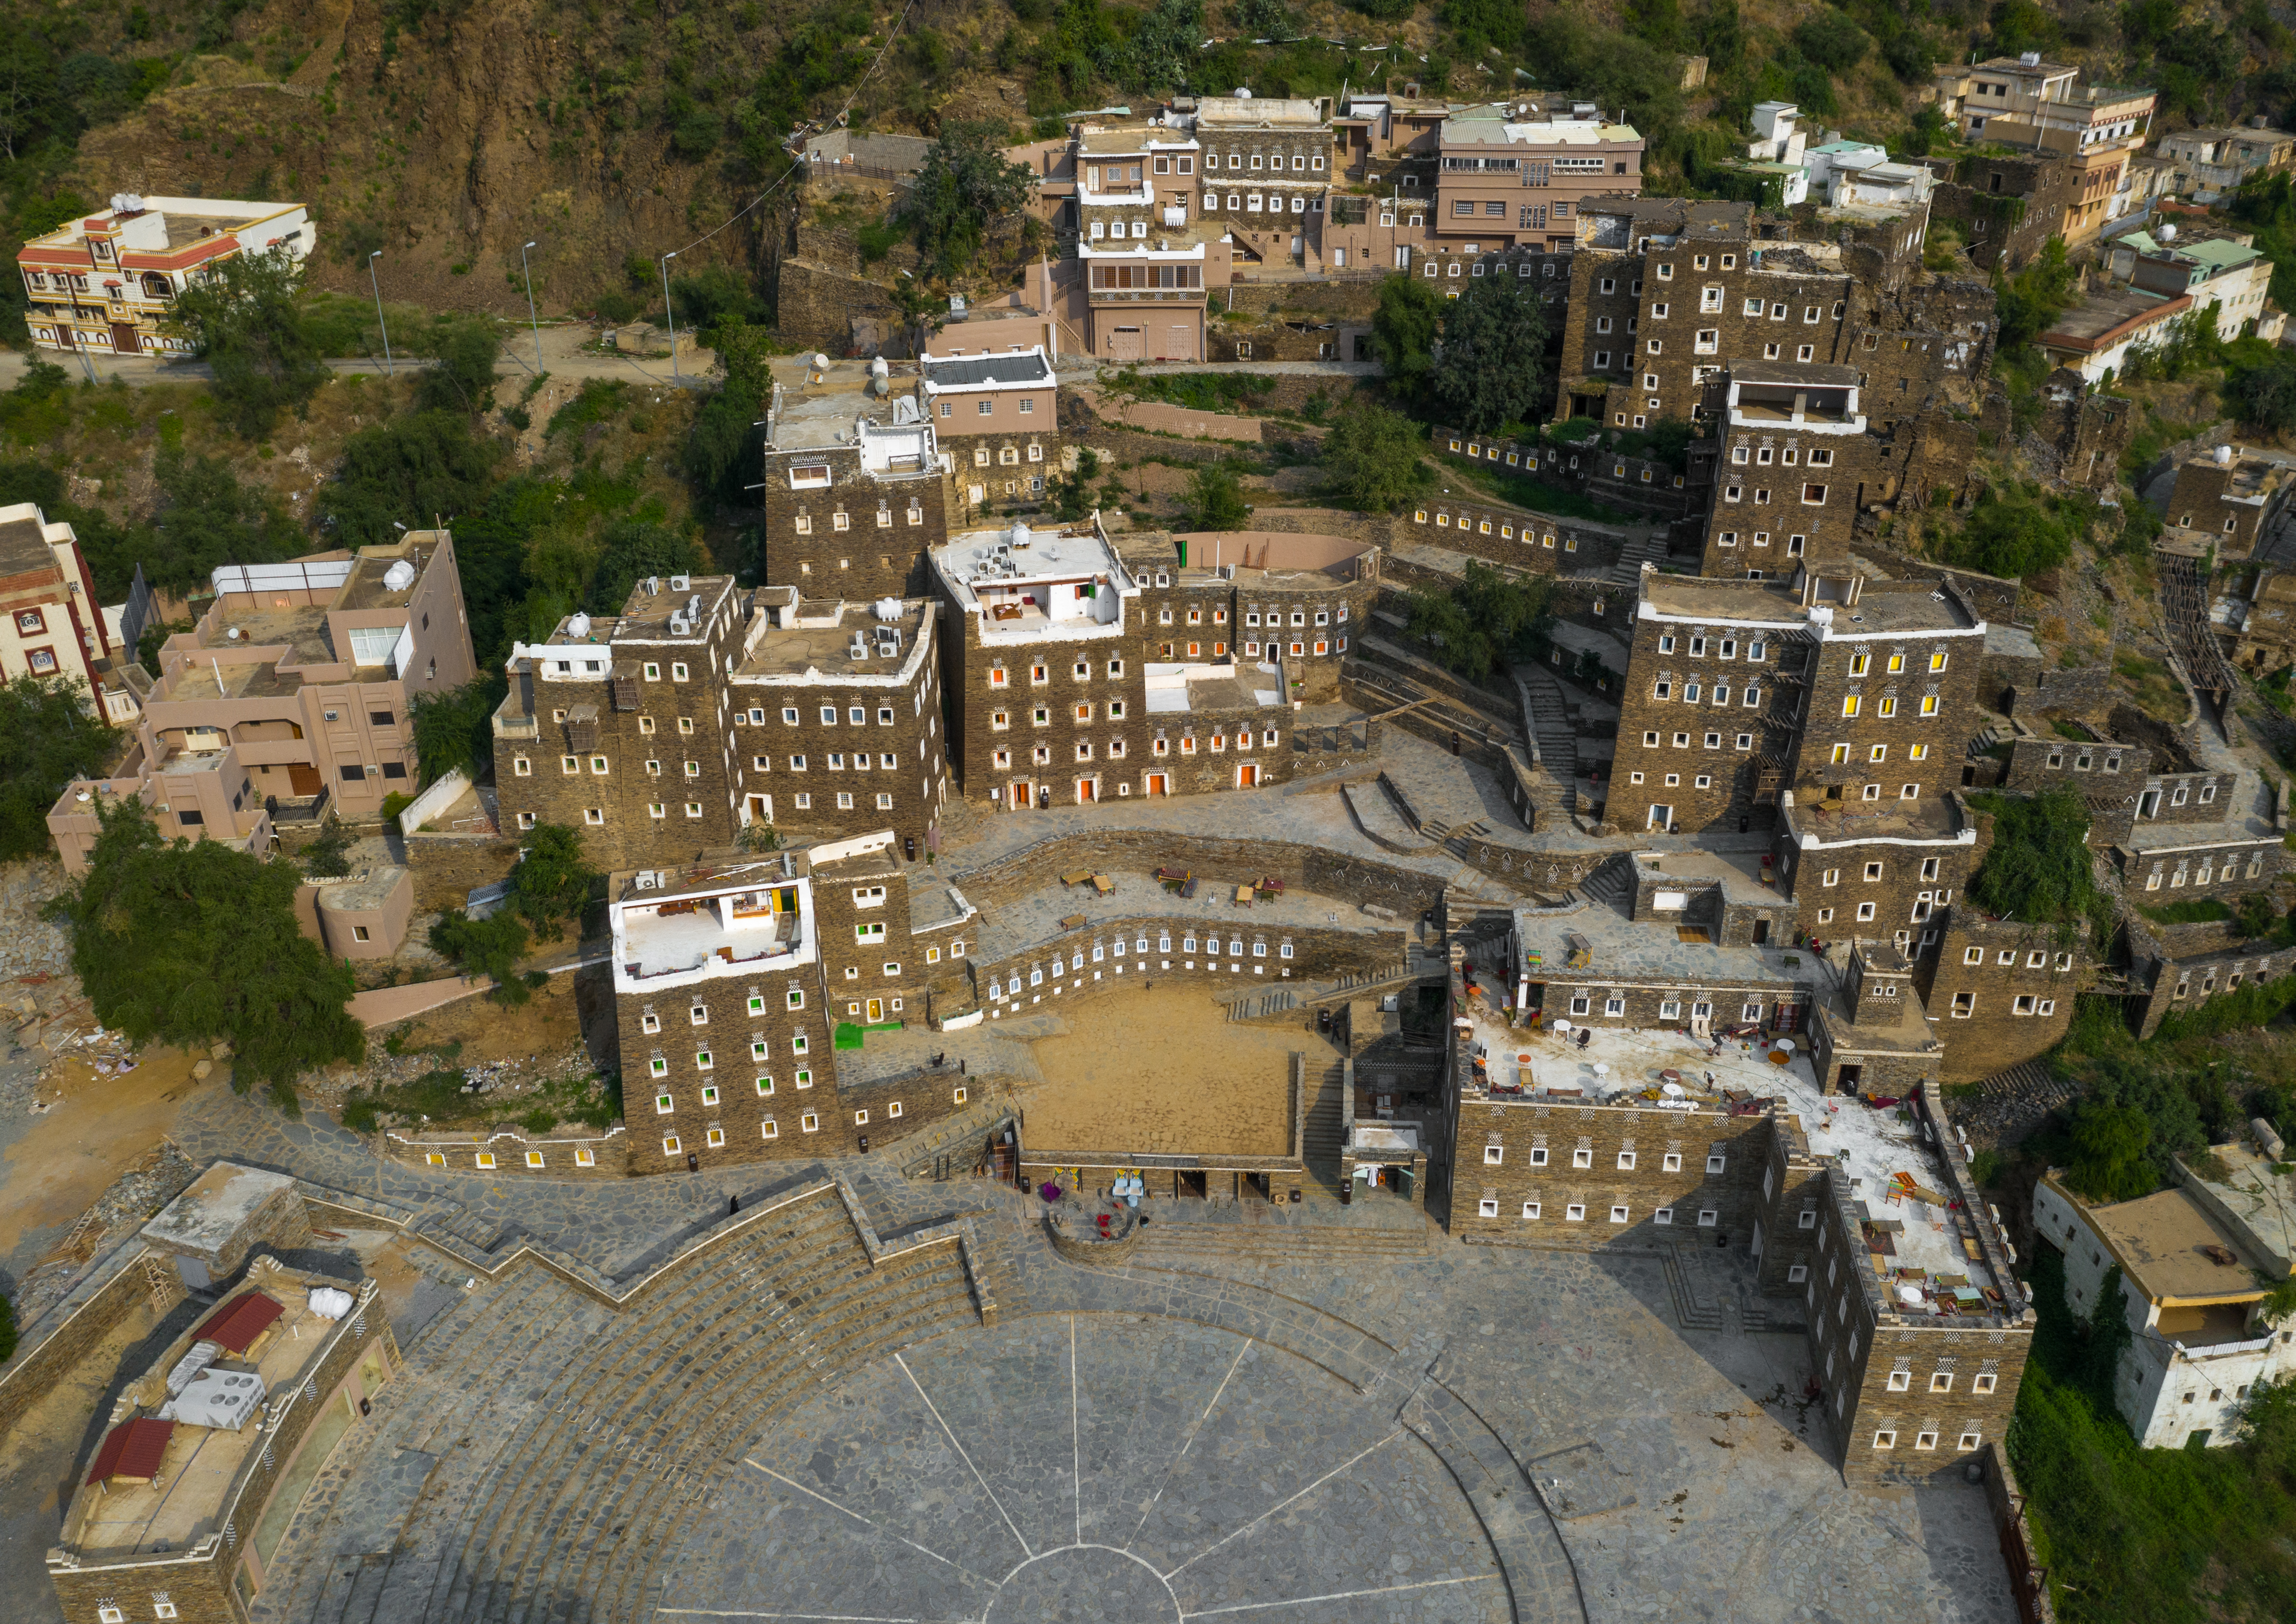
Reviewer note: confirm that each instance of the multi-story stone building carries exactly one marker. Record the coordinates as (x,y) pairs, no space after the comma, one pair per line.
(853,503)
(107,283)
(1065,687)
(291,695)
(1267,171)
(1665,293)
(1918,1330)
(2207,163)
(995,416)
(730,983)
(2234,494)
(837,715)
(623,730)
(1847,692)
(1512,173)
(2090,130)
(2000,991)
(1133,180)
(1796,465)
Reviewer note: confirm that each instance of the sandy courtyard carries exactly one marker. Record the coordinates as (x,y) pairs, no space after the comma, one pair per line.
(1164,1072)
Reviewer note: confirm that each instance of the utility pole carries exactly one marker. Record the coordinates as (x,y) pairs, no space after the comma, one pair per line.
(377,286)
(533,320)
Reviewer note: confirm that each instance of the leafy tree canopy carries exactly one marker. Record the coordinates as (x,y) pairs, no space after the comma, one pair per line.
(1492,368)
(1404,328)
(963,187)
(552,882)
(1215,499)
(47,738)
(206,518)
(2037,870)
(246,321)
(1372,457)
(408,471)
(1489,617)
(191,942)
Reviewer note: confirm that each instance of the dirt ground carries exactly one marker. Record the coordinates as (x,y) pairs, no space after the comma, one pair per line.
(53,1166)
(1163,1072)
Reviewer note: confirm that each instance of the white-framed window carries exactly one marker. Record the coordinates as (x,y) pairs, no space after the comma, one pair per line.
(1489,1207)
(1715,1164)
(1539,1155)
(1575,1213)
(1494,1155)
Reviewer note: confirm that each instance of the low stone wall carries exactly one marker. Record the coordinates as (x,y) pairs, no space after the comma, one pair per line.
(1314,868)
(388,1006)
(510,1152)
(1072,1238)
(2029,1582)
(449,867)
(1086,959)
(55,1343)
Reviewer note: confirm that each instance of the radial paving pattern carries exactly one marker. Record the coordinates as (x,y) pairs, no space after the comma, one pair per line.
(1105,1468)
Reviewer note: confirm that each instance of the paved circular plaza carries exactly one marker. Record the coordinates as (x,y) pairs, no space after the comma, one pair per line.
(1109,1468)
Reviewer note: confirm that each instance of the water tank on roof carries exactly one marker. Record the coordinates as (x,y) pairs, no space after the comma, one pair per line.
(879,369)
(2029,59)
(1243,94)
(1020,535)
(2223,456)
(1176,215)
(399,577)
(889,608)
(578,625)
(2167,233)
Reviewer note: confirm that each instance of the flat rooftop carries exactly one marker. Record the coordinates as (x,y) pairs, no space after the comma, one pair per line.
(180,1506)
(2103,313)
(1660,952)
(1902,612)
(369,586)
(1840,822)
(24,548)
(1186,690)
(820,641)
(1702,598)
(647,615)
(2163,1238)
(1009,369)
(1798,374)
(2258,1202)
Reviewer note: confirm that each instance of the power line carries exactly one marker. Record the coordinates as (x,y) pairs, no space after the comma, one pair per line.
(898,22)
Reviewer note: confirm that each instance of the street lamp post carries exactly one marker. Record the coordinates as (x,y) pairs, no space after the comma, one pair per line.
(533,320)
(670,311)
(385,325)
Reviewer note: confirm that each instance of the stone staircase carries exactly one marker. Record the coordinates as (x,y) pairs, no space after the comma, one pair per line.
(1547,715)
(1982,742)
(1258,1005)
(1610,884)
(1649,547)
(947,1148)
(1324,1138)
(614,1424)
(1284,1240)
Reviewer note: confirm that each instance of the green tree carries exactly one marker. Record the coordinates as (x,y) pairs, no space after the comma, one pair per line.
(2037,868)
(1488,618)
(246,321)
(2035,296)
(963,187)
(2109,1162)
(1215,499)
(1832,41)
(206,518)
(1404,330)
(634,549)
(553,881)
(328,856)
(1722,36)
(1372,454)
(192,942)
(2265,395)
(1492,368)
(47,738)
(465,348)
(2254,914)
(407,471)
(491,947)
(454,728)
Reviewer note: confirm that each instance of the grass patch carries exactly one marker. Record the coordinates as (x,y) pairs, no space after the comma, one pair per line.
(1536,495)
(1199,391)
(2156,1536)
(2192,911)
(2152,684)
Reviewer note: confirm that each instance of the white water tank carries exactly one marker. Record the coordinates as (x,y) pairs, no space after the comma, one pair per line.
(399,577)
(1243,94)
(1019,533)
(578,625)
(2167,233)
(889,608)
(2223,456)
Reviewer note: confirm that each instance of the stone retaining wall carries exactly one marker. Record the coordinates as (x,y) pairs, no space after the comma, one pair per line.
(1085,960)
(1314,868)
(508,1151)
(55,1343)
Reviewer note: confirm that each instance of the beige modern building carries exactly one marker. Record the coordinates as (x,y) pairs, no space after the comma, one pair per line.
(1514,174)
(53,625)
(2208,163)
(2043,107)
(290,698)
(108,282)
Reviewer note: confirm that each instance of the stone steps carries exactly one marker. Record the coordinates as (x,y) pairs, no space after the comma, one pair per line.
(1283,1240)
(1256,1006)
(948,1148)
(631,1435)
(1382,824)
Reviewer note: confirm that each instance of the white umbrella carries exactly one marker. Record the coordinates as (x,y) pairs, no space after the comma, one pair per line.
(1673,1091)
(1787,1044)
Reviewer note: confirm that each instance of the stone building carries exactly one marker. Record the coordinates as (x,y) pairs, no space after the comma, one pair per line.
(290,698)
(1918,1328)
(1267,170)
(1872,1035)
(837,715)
(2000,991)
(1843,689)
(2195,1262)
(1796,468)
(1132,179)
(2006,207)
(178,1511)
(1665,292)
(2236,497)
(995,415)
(622,730)
(1080,672)
(732,986)
(853,504)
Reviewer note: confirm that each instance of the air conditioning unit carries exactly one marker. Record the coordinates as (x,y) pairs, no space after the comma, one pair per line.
(681,583)
(679,626)
(644,879)
(858,649)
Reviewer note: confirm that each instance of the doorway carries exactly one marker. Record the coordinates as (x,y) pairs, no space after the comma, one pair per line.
(1020,795)
(876,1010)
(1158,783)
(1191,1183)
(1761,931)
(1124,344)
(761,809)
(1847,1078)
(303,779)
(1087,791)
(124,341)
(1247,775)
(1661,817)
(2148,805)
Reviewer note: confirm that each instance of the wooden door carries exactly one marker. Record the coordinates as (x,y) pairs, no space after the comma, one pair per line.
(303,779)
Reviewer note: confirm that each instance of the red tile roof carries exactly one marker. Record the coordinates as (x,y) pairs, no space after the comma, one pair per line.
(132,1449)
(235,1326)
